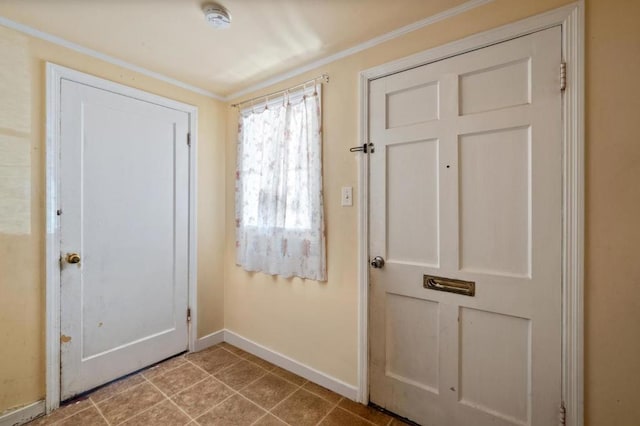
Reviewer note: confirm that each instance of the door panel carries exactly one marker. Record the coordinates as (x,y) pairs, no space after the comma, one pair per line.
(124,202)
(466,184)
(509,83)
(413,223)
(419,318)
(494,185)
(494,348)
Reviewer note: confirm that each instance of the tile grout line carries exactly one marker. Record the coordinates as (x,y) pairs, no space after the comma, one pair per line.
(170,400)
(142,373)
(360,417)
(257,405)
(236,392)
(253,381)
(192,385)
(197,366)
(268,412)
(211,376)
(139,412)
(228,366)
(320,396)
(288,396)
(100,411)
(65,418)
(328,412)
(233,391)
(265,408)
(259,418)
(117,393)
(214,406)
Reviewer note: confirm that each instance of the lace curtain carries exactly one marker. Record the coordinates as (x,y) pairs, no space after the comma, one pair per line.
(279,207)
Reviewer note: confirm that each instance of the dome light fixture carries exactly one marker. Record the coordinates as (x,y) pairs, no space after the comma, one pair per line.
(216,15)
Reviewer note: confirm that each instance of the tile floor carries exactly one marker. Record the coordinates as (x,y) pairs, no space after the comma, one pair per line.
(222,385)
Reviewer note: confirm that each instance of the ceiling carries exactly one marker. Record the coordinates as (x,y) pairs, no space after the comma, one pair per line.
(266,37)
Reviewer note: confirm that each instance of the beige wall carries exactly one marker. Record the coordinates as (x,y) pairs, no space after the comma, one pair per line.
(612,263)
(316,323)
(22,203)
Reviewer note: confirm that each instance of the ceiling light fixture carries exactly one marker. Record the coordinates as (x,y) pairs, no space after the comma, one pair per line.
(216,15)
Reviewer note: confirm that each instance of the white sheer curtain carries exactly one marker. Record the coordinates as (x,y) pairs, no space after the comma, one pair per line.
(279,207)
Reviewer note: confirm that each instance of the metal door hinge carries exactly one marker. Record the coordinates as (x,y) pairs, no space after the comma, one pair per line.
(367,147)
(189,139)
(188,314)
(563,76)
(562,415)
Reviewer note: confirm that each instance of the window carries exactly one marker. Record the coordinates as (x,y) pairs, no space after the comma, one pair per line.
(279,207)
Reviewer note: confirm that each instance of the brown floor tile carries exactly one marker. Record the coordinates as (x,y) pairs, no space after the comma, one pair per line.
(65,410)
(164,366)
(116,387)
(371,414)
(162,414)
(287,375)
(240,374)
(199,398)
(88,417)
(130,402)
(261,362)
(340,417)
(268,391)
(233,349)
(178,379)
(398,422)
(213,359)
(236,411)
(269,420)
(302,409)
(323,392)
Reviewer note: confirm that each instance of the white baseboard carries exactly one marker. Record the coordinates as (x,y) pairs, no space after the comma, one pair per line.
(22,415)
(309,373)
(208,341)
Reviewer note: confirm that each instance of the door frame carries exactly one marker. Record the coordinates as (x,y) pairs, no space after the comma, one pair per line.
(54,76)
(571,19)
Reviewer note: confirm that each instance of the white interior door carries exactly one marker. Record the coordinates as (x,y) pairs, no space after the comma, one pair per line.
(465,185)
(124,194)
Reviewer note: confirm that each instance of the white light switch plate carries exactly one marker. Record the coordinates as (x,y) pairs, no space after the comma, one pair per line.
(347,196)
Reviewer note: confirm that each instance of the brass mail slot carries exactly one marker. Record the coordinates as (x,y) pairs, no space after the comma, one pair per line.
(466,288)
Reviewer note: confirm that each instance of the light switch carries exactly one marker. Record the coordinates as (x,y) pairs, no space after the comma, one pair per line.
(347,196)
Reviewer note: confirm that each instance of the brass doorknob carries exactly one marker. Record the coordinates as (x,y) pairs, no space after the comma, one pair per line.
(73,258)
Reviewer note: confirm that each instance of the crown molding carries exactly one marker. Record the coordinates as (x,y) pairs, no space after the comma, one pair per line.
(103,57)
(449,13)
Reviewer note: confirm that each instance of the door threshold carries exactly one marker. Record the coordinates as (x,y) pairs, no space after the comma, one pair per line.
(394,415)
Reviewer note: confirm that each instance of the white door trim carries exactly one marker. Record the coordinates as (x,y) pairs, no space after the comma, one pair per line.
(55,74)
(571,19)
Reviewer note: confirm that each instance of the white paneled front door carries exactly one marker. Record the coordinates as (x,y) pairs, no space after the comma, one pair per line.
(465,210)
(124,208)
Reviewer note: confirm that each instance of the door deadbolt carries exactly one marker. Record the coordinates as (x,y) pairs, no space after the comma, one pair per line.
(377,262)
(73,258)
